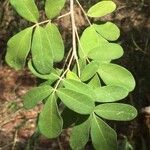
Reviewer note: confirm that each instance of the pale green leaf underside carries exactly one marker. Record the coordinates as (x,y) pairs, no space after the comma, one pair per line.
(42,56)
(18,48)
(53,7)
(27,9)
(89,70)
(103,136)
(101,9)
(106,51)
(110,93)
(80,135)
(75,101)
(56,42)
(113,74)
(50,122)
(116,111)
(108,30)
(36,95)
(89,40)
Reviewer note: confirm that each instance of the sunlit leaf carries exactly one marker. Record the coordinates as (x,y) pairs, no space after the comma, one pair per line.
(113,74)
(53,7)
(77,102)
(18,48)
(50,122)
(42,55)
(108,30)
(95,82)
(36,95)
(103,136)
(116,111)
(110,93)
(72,75)
(55,41)
(27,9)
(106,51)
(101,9)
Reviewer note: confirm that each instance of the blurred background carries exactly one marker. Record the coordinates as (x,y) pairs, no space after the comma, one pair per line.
(17,126)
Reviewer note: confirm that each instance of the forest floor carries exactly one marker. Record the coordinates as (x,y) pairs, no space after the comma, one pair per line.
(17,125)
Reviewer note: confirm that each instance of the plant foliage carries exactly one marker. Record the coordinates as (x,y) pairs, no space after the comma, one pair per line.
(88,86)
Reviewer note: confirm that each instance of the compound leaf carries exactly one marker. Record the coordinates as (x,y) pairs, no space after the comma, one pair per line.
(42,55)
(110,93)
(106,51)
(80,135)
(36,95)
(89,70)
(108,30)
(101,9)
(50,122)
(18,48)
(103,136)
(27,9)
(89,40)
(116,111)
(75,101)
(55,40)
(113,74)
(53,7)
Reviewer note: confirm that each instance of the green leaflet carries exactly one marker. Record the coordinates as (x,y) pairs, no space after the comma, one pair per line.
(108,30)
(27,9)
(103,136)
(18,48)
(50,122)
(53,7)
(89,70)
(54,75)
(95,82)
(36,95)
(55,41)
(101,9)
(79,87)
(110,93)
(72,75)
(116,111)
(80,135)
(42,55)
(89,40)
(75,101)
(113,74)
(106,51)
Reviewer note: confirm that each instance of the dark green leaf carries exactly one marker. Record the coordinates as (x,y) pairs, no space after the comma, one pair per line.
(110,93)
(55,41)
(101,9)
(53,7)
(116,111)
(103,136)
(41,51)
(80,135)
(77,102)
(113,74)
(108,30)
(50,122)
(18,48)
(27,9)
(36,95)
